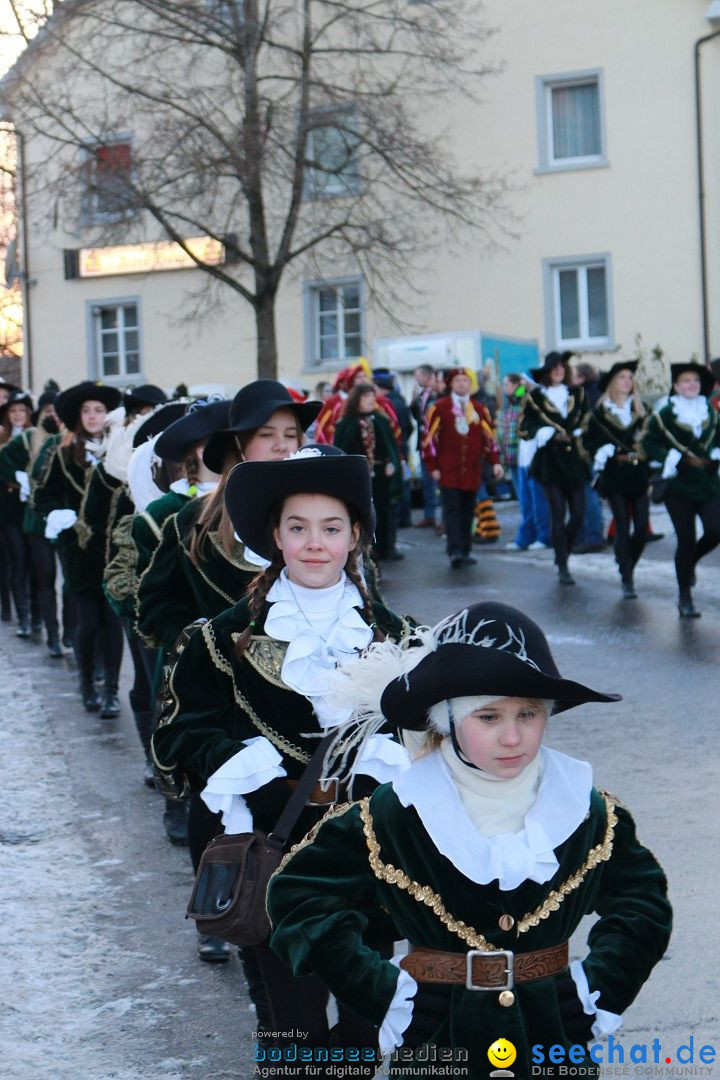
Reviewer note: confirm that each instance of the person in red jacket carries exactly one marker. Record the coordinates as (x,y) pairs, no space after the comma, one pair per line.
(459,440)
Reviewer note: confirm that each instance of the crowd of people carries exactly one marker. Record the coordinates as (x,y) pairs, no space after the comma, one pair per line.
(236,548)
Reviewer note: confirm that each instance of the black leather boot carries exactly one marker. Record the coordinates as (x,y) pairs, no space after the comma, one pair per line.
(90,696)
(686,607)
(564,575)
(145,724)
(110,703)
(55,647)
(213,950)
(628,588)
(175,821)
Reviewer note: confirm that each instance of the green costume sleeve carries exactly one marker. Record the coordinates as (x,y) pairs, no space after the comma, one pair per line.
(594,436)
(653,444)
(165,602)
(14,456)
(95,509)
(529,420)
(320,903)
(49,493)
(635,920)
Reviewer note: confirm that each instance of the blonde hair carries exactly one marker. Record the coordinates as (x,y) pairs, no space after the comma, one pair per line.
(610,394)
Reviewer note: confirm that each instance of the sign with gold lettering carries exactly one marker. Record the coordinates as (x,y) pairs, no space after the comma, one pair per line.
(148,258)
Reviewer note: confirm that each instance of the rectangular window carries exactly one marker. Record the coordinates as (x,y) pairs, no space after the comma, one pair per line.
(331,160)
(570,121)
(578,302)
(116,339)
(107,180)
(335,318)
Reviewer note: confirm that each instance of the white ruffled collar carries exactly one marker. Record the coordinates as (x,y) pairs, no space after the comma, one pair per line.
(691,411)
(323,627)
(182,487)
(623,413)
(558,396)
(562,803)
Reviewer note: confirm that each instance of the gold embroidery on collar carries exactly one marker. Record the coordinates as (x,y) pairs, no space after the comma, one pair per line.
(266,656)
(238,561)
(152,525)
(425,895)
(217,658)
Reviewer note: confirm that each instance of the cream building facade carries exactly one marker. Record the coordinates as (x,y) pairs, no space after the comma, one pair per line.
(593,120)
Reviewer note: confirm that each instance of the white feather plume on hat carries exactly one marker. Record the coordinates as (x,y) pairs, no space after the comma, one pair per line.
(143,488)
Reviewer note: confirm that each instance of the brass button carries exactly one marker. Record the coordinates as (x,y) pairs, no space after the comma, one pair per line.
(506,998)
(506,922)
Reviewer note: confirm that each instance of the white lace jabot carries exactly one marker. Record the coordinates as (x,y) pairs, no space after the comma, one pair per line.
(323,628)
(558,395)
(561,804)
(623,413)
(693,412)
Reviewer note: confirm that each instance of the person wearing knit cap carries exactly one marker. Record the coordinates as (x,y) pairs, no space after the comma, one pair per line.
(486,853)
(458,443)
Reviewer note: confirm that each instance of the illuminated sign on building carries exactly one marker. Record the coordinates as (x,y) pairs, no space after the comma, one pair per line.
(146,258)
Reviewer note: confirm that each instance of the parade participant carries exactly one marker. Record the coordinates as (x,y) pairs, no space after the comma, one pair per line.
(387,386)
(58,493)
(459,441)
(21,461)
(332,410)
(364,429)
(553,414)
(423,397)
(248,687)
(611,437)
(486,853)
(516,454)
(684,438)
(15,419)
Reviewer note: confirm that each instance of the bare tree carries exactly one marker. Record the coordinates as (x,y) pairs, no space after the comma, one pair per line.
(296,132)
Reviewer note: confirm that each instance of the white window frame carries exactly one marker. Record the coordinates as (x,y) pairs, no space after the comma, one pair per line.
(90,215)
(544,86)
(313,361)
(551,271)
(123,377)
(330,118)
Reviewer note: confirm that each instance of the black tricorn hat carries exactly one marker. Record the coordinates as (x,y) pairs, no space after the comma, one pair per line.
(138,397)
(158,421)
(200,421)
(607,376)
(251,408)
(707,379)
(552,359)
(69,402)
(488,648)
(255,487)
(17,397)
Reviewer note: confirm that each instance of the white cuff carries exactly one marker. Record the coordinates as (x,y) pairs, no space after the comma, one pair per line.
(577,432)
(602,455)
(671,464)
(544,435)
(714,454)
(24,482)
(248,770)
(605,1022)
(399,1014)
(382,758)
(58,521)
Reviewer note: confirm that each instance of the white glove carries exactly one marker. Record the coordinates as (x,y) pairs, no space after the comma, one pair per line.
(58,521)
(715,454)
(544,435)
(671,464)
(602,455)
(24,482)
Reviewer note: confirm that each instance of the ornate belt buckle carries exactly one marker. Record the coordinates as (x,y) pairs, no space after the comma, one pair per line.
(509,970)
(336,794)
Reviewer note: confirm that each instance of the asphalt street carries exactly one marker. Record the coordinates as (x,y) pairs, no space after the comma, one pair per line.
(99,976)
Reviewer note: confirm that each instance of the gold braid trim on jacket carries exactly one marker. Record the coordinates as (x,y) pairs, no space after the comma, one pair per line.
(425,895)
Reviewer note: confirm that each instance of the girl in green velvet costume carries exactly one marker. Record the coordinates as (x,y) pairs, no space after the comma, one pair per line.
(486,853)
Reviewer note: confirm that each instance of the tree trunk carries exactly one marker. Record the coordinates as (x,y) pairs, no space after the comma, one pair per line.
(266,337)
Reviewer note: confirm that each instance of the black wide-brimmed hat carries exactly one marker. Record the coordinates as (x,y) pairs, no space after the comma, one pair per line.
(139,397)
(202,420)
(69,402)
(10,387)
(607,376)
(707,379)
(251,408)
(486,649)
(255,487)
(551,361)
(18,397)
(159,420)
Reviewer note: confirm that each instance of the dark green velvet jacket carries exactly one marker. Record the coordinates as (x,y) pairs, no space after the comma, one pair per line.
(146,529)
(348,437)
(14,456)
(664,432)
(105,501)
(220,699)
(558,462)
(61,486)
(617,477)
(378,851)
(173,592)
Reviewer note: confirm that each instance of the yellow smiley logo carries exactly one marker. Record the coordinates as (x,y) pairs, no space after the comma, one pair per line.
(502,1053)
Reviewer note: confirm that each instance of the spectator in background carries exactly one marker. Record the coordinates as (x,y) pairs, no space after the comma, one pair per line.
(715,395)
(588,377)
(322,391)
(423,398)
(591,537)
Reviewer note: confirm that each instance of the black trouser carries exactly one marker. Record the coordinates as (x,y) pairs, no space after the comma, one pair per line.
(18,555)
(689,552)
(564,532)
(629,548)
(98,625)
(44,569)
(141,693)
(384,523)
(458,515)
(5,576)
